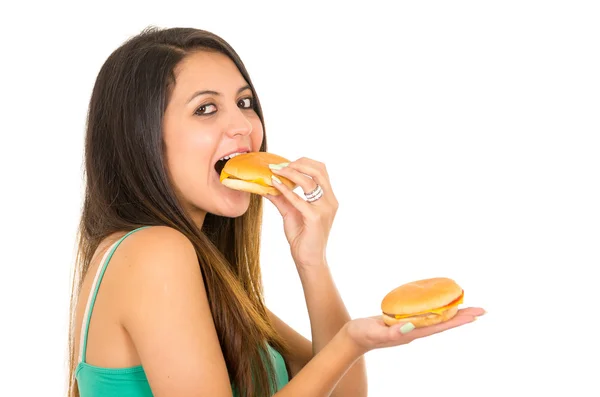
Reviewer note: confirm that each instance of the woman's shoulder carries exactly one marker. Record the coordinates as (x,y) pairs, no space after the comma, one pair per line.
(157,237)
(153,255)
(153,244)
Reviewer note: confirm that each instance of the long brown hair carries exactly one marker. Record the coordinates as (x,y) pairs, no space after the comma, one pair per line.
(127,186)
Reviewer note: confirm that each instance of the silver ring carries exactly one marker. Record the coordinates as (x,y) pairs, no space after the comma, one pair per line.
(314,195)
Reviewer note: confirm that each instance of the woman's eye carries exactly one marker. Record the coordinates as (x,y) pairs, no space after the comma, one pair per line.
(206,109)
(246,103)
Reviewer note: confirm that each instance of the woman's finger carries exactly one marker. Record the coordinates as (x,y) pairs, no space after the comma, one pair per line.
(472,311)
(456,321)
(402,327)
(396,333)
(316,170)
(281,203)
(304,181)
(301,205)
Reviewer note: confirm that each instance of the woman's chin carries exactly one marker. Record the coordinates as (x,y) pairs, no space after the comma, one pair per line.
(234,208)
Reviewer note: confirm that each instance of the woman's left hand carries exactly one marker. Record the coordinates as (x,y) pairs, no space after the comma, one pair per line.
(306,224)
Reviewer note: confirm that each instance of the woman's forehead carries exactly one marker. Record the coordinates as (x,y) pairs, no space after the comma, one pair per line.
(210,71)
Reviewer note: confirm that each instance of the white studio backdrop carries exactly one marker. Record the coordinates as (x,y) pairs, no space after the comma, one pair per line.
(461,139)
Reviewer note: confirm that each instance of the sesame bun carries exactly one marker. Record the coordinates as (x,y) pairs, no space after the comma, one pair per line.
(423,302)
(250,172)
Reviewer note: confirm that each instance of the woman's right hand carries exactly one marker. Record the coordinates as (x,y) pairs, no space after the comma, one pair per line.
(372,333)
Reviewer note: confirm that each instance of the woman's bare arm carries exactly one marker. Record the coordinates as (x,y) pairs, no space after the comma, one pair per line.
(166,312)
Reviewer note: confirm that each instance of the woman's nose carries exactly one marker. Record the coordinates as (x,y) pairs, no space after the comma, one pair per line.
(238,124)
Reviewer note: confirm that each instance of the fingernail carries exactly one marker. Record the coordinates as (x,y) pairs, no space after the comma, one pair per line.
(278,166)
(406,328)
(277,180)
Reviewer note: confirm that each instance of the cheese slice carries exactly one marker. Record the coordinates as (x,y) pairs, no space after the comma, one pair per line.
(259,181)
(224,175)
(440,310)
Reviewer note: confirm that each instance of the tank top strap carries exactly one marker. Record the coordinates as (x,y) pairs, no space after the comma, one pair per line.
(85,326)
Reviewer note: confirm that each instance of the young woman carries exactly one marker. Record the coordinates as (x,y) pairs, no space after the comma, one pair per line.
(167,297)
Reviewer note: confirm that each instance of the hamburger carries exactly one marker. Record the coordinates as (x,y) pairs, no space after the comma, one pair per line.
(423,302)
(250,172)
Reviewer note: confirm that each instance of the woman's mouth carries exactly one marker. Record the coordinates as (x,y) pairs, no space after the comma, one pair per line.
(220,164)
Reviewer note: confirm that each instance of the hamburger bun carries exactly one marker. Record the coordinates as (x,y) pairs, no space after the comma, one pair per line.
(250,172)
(423,302)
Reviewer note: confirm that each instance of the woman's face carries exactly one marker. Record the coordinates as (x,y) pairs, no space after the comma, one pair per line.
(210,115)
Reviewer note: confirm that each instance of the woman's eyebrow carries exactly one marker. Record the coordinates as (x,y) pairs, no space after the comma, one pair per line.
(211,92)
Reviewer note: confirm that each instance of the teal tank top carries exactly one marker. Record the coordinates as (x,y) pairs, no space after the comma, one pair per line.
(93,381)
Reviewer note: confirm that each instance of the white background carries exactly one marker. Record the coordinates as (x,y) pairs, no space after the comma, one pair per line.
(461,138)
